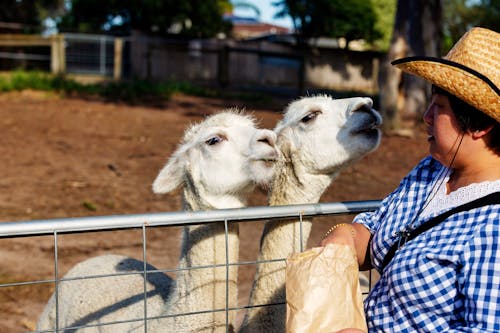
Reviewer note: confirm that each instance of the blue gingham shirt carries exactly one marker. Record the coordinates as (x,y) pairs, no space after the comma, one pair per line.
(447,279)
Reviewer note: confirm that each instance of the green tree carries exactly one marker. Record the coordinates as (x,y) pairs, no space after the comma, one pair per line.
(195,18)
(385,11)
(461,15)
(205,17)
(28,14)
(354,19)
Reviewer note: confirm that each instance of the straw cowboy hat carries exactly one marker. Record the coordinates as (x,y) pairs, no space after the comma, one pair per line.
(470,71)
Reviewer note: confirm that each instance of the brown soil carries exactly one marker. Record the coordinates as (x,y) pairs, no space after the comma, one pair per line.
(68,157)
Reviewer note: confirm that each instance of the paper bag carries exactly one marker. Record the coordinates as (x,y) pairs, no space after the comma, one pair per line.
(322,291)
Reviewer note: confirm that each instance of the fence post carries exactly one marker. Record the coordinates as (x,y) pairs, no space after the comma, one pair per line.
(302,75)
(54,59)
(117,69)
(57,54)
(149,54)
(223,66)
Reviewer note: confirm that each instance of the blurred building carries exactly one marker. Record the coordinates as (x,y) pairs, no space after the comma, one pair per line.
(245,27)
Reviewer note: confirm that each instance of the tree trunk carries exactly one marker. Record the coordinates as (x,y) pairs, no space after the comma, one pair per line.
(417,31)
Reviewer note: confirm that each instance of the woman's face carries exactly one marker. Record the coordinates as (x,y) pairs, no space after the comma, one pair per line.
(443,129)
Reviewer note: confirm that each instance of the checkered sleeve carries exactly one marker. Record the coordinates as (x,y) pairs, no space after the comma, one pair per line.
(401,195)
(371,220)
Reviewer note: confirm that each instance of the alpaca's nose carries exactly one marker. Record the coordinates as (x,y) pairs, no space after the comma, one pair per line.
(361,105)
(267,137)
(365,106)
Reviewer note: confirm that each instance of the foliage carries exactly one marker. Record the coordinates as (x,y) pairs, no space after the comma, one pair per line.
(351,20)
(28,14)
(461,15)
(385,10)
(133,91)
(126,91)
(20,80)
(195,18)
(206,17)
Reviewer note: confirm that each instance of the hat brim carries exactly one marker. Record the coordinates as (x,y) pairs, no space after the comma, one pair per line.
(463,82)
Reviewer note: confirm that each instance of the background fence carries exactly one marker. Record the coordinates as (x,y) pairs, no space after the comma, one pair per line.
(145,222)
(96,55)
(275,66)
(69,53)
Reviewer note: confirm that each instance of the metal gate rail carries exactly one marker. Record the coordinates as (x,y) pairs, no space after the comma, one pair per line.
(56,227)
(97,223)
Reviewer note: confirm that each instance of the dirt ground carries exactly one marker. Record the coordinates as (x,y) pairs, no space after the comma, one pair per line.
(68,157)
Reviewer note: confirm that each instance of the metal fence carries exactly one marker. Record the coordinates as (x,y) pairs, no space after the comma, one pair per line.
(142,222)
(258,65)
(71,53)
(94,54)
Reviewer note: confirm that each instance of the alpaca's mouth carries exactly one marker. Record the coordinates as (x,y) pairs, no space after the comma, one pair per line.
(267,162)
(371,123)
(369,128)
(267,159)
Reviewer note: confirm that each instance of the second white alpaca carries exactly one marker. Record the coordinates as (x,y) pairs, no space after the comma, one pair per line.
(318,137)
(218,162)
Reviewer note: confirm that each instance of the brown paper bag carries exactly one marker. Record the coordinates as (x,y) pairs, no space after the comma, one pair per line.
(322,291)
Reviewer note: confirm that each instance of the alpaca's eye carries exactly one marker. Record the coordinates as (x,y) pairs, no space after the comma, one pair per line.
(214,140)
(310,116)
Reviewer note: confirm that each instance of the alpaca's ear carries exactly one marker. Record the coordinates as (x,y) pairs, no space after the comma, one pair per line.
(171,176)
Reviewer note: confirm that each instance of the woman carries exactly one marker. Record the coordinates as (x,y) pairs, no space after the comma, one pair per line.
(445,278)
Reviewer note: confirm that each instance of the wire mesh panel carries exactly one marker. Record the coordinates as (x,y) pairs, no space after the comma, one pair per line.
(120,271)
(90,54)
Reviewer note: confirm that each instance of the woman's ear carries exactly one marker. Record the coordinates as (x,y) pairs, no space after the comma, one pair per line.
(478,134)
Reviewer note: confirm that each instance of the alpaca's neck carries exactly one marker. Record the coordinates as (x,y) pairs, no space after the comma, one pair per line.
(197,198)
(205,245)
(279,239)
(293,185)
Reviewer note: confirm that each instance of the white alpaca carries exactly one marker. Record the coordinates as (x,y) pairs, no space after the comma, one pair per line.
(218,162)
(318,137)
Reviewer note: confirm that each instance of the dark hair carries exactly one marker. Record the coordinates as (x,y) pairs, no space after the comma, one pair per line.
(472,119)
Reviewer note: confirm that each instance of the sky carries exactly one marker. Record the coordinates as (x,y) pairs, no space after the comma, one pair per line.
(267,11)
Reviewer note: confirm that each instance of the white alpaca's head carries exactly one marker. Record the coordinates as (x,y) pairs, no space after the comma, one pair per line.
(323,134)
(224,155)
